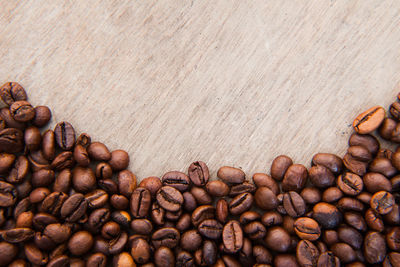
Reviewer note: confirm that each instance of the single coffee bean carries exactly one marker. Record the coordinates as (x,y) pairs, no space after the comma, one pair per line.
(120,202)
(35,255)
(392,260)
(384,166)
(19,170)
(191,240)
(52,203)
(209,252)
(176,179)
(307,229)
(222,210)
(328,259)
(37,161)
(117,245)
(350,183)
(173,216)
(57,232)
(262,179)
(307,253)
(321,177)
(64,135)
(230,261)
(232,236)
(350,236)
(375,182)
(217,188)
(393,239)
(22,111)
(8,121)
(121,217)
(355,220)
(97,260)
(108,185)
(262,255)
(265,198)
(63,160)
(24,220)
(17,235)
(244,187)
(189,202)
(7,253)
(97,198)
(374,220)
(327,215)
(241,203)
(369,120)
(167,237)
(271,218)
(248,217)
(352,204)
(80,243)
(32,138)
(42,178)
(382,202)
(103,171)
(294,204)
(279,166)
(295,178)
(140,250)
(42,116)
(11,92)
(201,195)
(98,218)
(255,230)
(332,194)
(344,252)
(210,229)
(311,195)
(6,162)
(98,151)
(184,259)
(387,127)
(198,173)
(396,134)
(8,194)
(59,261)
(123,259)
(153,184)
(169,198)
(142,226)
(49,145)
(74,207)
(83,179)
(11,140)
(231,175)
(157,214)
(374,247)
(23,189)
(119,160)
(278,239)
(164,257)
(140,202)
(393,217)
(330,161)
(81,156)
(184,222)
(62,181)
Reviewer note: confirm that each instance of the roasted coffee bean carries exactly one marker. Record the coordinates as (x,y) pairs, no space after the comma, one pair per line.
(19,171)
(321,177)
(32,138)
(262,255)
(184,222)
(210,228)
(49,145)
(222,210)
(98,218)
(81,156)
(311,195)
(369,120)
(6,162)
(185,259)
(231,175)
(249,216)
(42,178)
(350,236)
(119,160)
(244,187)
(232,237)
(140,202)
(103,171)
(352,204)
(97,260)
(37,160)
(108,185)
(209,252)
(63,160)
(59,261)
(278,239)
(356,166)
(176,179)
(57,232)
(64,135)
(123,259)
(8,194)
(201,195)
(80,243)
(153,184)
(7,253)
(350,183)
(169,198)
(392,259)
(157,214)
(307,253)
(387,127)
(265,198)
(241,203)
(42,116)
(294,204)
(168,237)
(375,182)
(384,166)
(17,235)
(295,178)
(120,202)
(164,257)
(330,161)
(35,255)
(116,245)
(74,207)
(374,220)
(43,242)
(255,230)
(355,220)
(11,140)
(52,203)
(374,247)
(198,173)
(190,240)
(22,111)
(393,217)
(217,188)
(142,226)
(327,215)
(173,215)
(393,239)
(344,252)
(307,228)
(328,259)
(11,92)
(382,202)
(121,217)
(98,151)
(24,220)
(279,166)
(271,218)
(83,179)
(62,181)
(140,250)
(96,199)
(332,194)
(261,179)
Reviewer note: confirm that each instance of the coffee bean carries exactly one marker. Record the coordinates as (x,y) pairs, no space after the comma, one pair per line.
(347,203)
(83,179)
(74,207)
(375,182)
(157,214)
(35,255)
(176,179)
(350,236)
(295,178)
(369,120)
(210,228)
(355,220)
(328,259)
(153,184)
(344,252)
(382,202)
(374,220)
(307,253)
(140,202)
(244,187)
(393,238)
(48,145)
(42,116)
(279,166)
(231,175)
(374,247)
(311,195)
(103,171)
(387,127)
(108,185)
(164,257)
(201,195)
(168,237)
(52,203)
(185,259)
(241,203)
(63,160)
(169,198)
(277,239)
(42,178)
(97,198)
(123,259)
(321,176)
(191,240)
(81,156)
(117,245)
(22,111)
(332,194)
(261,179)
(64,135)
(97,260)
(6,162)
(392,259)
(11,140)
(17,235)
(294,204)
(121,217)
(119,160)
(271,218)
(98,151)
(307,228)
(8,194)
(265,198)
(62,181)
(11,92)
(32,138)
(119,202)
(198,173)
(222,210)
(140,250)
(232,236)
(248,217)
(98,218)
(350,183)
(327,215)
(255,230)
(80,243)
(330,161)
(217,188)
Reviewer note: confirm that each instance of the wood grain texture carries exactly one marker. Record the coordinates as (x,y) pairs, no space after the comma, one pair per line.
(227,82)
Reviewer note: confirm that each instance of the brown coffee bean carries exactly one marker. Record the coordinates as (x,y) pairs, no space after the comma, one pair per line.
(74,207)
(344,252)
(255,230)
(64,135)
(35,255)
(169,198)
(328,259)
(382,202)
(42,116)
(265,198)
(176,179)
(97,260)
(327,215)
(311,195)
(355,220)
(81,156)
(217,188)
(22,111)
(119,202)
(63,160)
(62,182)
(321,176)
(232,236)
(332,194)
(350,183)
(277,239)
(127,182)
(142,226)
(32,138)
(11,92)
(19,171)
(98,218)
(183,259)
(261,179)
(7,253)
(49,145)
(369,120)
(24,220)
(119,160)
(157,214)
(375,182)
(307,253)
(121,217)
(330,161)
(52,203)
(387,127)
(201,195)
(117,245)
(80,243)
(164,257)
(191,240)
(307,228)
(140,202)
(295,178)
(6,162)
(97,198)
(42,178)
(59,233)
(83,179)
(59,261)
(352,204)
(294,204)
(350,236)
(279,167)
(241,203)
(231,175)
(244,187)
(393,239)
(17,235)
(98,151)
(153,184)
(11,140)
(103,171)
(210,228)
(198,173)
(271,218)
(392,259)
(374,247)
(123,259)
(167,237)
(222,210)
(140,251)
(249,216)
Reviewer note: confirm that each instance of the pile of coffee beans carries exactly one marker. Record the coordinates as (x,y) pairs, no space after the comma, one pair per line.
(66,200)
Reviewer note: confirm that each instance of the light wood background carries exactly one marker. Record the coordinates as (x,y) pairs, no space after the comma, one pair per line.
(227,82)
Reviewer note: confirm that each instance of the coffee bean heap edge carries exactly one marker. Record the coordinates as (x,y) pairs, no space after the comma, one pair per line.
(68,201)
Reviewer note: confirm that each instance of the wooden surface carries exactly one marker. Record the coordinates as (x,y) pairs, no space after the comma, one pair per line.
(227,82)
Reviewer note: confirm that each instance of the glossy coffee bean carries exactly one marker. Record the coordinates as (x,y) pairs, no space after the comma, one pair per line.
(295,178)
(265,198)
(62,181)
(262,179)
(140,202)
(96,198)
(244,187)
(189,202)
(176,179)
(119,160)
(375,182)
(127,182)
(64,135)
(271,218)
(201,195)
(369,120)
(311,195)
(231,175)
(307,229)
(17,235)
(35,255)
(217,188)
(103,171)
(140,250)
(169,198)
(42,116)
(81,156)
(22,111)
(332,194)
(97,260)
(123,259)
(11,140)
(344,252)
(330,161)
(210,228)
(384,166)
(294,204)
(393,239)
(164,257)
(52,203)
(232,236)
(190,240)
(327,215)
(328,259)
(278,239)
(241,203)
(307,253)
(83,179)
(255,230)
(222,210)
(153,184)
(355,220)
(321,177)
(198,173)
(80,243)
(168,237)
(248,217)
(350,183)
(382,202)
(279,166)
(57,232)
(49,144)
(350,236)
(98,151)
(374,247)
(11,92)
(32,138)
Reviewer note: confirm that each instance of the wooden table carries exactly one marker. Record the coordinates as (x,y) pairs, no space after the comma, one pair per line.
(227,82)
